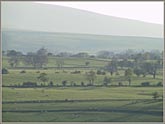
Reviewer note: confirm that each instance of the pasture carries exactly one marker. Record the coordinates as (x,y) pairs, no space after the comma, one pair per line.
(97,103)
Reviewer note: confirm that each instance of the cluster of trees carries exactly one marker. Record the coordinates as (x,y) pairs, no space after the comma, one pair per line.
(14,57)
(130,61)
(131,54)
(138,68)
(36,59)
(40,58)
(127,54)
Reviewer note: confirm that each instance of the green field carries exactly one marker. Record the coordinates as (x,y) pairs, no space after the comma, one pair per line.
(76,104)
(15,77)
(80,103)
(126,110)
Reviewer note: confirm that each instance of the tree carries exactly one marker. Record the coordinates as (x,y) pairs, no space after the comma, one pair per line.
(11,53)
(60,63)
(14,57)
(104,54)
(150,68)
(51,83)
(87,63)
(37,59)
(81,55)
(64,83)
(13,61)
(155,95)
(111,67)
(137,71)
(43,77)
(82,84)
(106,81)
(31,59)
(3,53)
(4,71)
(50,54)
(128,75)
(42,57)
(90,76)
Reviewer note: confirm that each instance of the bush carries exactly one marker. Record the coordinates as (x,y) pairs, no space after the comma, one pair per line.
(159,84)
(5,71)
(145,84)
(64,82)
(76,72)
(82,83)
(155,95)
(99,72)
(51,83)
(23,71)
(120,84)
(29,84)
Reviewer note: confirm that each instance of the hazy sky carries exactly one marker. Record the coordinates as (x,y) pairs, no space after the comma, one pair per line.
(144,11)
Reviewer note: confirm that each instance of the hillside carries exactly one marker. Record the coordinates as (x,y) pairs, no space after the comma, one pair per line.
(53,18)
(26,41)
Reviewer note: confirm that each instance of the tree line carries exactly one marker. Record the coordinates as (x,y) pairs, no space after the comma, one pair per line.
(40,58)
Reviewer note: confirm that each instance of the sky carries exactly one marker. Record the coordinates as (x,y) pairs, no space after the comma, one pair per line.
(152,12)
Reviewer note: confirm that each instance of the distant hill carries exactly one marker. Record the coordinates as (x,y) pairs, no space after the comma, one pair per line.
(53,18)
(27,41)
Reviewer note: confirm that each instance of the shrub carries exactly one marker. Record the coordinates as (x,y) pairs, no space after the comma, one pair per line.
(64,83)
(51,83)
(98,72)
(155,95)
(159,84)
(23,71)
(76,72)
(120,84)
(5,71)
(82,83)
(29,84)
(145,84)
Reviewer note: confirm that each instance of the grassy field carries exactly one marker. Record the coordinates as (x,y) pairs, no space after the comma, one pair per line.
(57,76)
(68,62)
(21,94)
(127,110)
(83,104)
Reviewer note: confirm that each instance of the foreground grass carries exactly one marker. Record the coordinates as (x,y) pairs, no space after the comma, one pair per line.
(142,111)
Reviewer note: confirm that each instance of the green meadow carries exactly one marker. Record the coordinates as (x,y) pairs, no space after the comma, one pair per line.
(78,103)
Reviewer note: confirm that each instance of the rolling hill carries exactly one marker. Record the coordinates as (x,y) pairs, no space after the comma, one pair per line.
(53,18)
(27,41)
(28,26)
